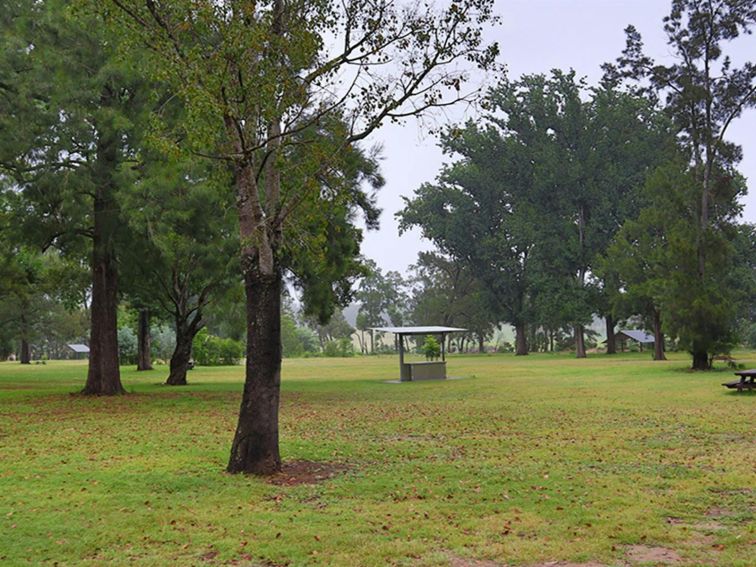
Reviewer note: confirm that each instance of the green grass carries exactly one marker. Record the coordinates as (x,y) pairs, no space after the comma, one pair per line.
(526,460)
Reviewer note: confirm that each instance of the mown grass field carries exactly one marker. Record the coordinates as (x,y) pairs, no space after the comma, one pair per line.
(525,461)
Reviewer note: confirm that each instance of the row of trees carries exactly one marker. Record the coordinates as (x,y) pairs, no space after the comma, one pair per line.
(183,147)
(618,200)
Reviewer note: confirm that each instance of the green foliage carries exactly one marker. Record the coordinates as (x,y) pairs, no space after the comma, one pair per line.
(655,257)
(38,299)
(341,348)
(186,238)
(704,92)
(539,186)
(127,345)
(209,350)
(431,348)
(381,296)
(290,339)
(297,340)
(336,328)
(163,342)
(445,292)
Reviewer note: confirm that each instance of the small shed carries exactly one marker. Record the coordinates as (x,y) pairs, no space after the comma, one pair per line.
(80,351)
(427,370)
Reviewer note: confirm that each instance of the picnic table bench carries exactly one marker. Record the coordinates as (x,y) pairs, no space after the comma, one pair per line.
(745,381)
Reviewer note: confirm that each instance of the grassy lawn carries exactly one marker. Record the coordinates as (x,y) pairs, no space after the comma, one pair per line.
(525,461)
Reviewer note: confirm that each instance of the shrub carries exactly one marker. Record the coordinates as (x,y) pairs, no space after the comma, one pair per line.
(163,342)
(339,348)
(431,348)
(127,345)
(209,350)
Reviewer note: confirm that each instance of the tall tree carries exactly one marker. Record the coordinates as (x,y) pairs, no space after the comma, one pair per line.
(179,209)
(381,299)
(704,94)
(254,76)
(470,215)
(64,133)
(538,190)
(700,311)
(445,291)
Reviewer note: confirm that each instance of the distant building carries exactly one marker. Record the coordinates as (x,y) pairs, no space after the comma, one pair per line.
(80,351)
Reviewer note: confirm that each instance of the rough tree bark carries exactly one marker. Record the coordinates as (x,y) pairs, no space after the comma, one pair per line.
(255,446)
(187,327)
(658,338)
(25,354)
(180,357)
(144,341)
(611,338)
(104,377)
(701,360)
(521,343)
(580,341)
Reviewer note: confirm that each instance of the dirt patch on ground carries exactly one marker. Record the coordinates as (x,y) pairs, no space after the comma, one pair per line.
(294,473)
(655,555)
(567,564)
(718,512)
(462,562)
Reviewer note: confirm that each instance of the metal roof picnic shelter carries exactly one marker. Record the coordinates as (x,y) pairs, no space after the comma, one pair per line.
(640,336)
(429,370)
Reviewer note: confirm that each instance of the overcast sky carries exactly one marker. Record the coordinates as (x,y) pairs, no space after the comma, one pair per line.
(536,36)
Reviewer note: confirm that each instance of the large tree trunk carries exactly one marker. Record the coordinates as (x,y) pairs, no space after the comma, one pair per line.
(701,360)
(104,377)
(579,342)
(25,351)
(658,338)
(181,355)
(25,354)
(521,343)
(611,339)
(255,446)
(144,341)
(481,341)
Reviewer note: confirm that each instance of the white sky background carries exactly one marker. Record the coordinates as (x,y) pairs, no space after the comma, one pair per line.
(535,37)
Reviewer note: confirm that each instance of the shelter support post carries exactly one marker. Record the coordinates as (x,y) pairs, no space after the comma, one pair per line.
(405,370)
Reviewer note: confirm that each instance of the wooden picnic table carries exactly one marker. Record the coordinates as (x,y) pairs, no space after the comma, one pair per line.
(745,381)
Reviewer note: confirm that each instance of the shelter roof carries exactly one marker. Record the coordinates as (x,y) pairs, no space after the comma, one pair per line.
(418,330)
(78,348)
(640,336)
